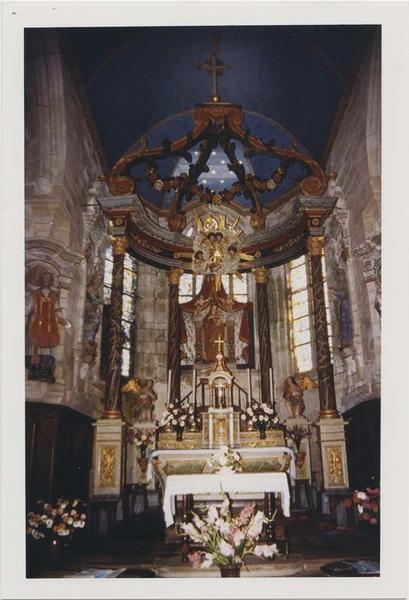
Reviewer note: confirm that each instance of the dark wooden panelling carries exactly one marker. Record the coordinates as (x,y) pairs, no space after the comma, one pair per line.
(363,437)
(58,452)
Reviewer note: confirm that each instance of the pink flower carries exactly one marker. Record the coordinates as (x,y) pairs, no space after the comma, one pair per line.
(372,521)
(245,514)
(195,559)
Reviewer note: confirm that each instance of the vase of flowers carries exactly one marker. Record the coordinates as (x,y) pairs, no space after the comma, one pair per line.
(143,439)
(178,417)
(56,524)
(259,415)
(225,460)
(228,540)
(368,506)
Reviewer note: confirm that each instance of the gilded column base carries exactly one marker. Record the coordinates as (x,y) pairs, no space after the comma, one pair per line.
(329,414)
(333,453)
(112,414)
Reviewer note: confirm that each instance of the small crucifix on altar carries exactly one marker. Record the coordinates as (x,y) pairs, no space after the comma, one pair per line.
(219,341)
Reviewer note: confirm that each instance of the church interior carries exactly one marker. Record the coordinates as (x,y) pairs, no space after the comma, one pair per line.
(203,301)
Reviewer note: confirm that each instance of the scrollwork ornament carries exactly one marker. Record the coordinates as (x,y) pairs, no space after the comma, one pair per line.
(258,221)
(313,186)
(121,185)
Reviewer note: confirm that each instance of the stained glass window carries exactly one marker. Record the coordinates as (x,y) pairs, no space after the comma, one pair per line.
(128,306)
(301,314)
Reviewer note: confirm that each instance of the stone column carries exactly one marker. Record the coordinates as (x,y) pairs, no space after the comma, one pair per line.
(174,335)
(261,277)
(113,381)
(331,425)
(324,365)
(110,453)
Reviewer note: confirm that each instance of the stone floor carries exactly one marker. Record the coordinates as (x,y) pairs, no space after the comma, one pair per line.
(143,550)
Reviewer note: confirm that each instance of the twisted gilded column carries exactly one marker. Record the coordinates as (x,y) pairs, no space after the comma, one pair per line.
(261,277)
(174,355)
(113,381)
(328,407)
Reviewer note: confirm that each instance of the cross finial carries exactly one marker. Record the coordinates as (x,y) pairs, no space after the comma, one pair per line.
(215,67)
(219,343)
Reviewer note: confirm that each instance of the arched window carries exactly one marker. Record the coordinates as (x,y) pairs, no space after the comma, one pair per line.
(300,312)
(128,313)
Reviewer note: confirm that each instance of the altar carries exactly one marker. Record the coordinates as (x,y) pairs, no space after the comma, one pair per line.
(209,485)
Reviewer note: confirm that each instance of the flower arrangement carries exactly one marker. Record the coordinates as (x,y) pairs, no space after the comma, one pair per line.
(368,505)
(143,439)
(227,540)
(259,415)
(225,460)
(178,417)
(297,433)
(59,520)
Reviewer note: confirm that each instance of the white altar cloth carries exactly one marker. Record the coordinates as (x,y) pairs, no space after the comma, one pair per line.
(204,453)
(230,483)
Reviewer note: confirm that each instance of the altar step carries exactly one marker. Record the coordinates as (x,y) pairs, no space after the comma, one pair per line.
(171,566)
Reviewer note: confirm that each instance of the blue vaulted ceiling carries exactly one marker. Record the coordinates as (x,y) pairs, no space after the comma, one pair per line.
(145,81)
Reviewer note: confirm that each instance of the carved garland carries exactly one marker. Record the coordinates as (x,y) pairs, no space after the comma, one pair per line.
(216,124)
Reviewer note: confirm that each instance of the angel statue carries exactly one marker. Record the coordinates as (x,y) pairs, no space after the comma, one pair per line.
(139,400)
(293,393)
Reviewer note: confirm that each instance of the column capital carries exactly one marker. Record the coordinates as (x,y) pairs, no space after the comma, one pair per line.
(260,274)
(174,275)
(119,245)
(315,244)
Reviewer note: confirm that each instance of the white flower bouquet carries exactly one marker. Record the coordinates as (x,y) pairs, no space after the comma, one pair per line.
(225,460)
(260,416)
(178,415)
(227,540)
(59,520)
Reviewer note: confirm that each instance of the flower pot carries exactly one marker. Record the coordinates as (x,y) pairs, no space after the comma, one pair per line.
(230,570)
(179,433)
(262,429)
(56,550)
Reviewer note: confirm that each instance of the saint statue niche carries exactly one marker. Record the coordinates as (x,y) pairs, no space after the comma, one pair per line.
(211,315)
(43,321)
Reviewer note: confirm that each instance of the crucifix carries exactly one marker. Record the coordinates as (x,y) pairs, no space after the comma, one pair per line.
(219,343)
(215,67)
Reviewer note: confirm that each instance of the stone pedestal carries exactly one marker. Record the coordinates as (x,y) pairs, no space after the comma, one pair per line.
(333,453)
(109,458)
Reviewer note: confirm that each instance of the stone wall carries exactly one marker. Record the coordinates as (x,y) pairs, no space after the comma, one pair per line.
(355,158)
(62,159)
(152,330)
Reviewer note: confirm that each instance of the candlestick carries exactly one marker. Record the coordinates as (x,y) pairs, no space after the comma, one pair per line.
(271,386)
(194,387)
(169,384)
(249,387)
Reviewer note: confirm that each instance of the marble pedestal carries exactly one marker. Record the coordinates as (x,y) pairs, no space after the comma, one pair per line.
(109,458)
(333,453)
